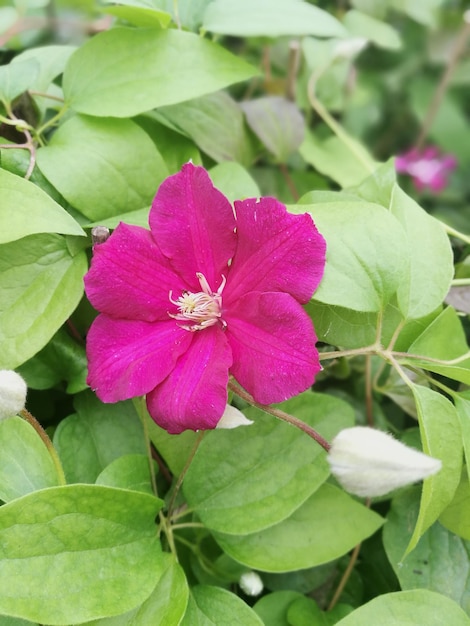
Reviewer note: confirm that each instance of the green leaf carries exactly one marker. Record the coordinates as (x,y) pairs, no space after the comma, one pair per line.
(462,405)
(130,471)
(139,13)
(456,517)
(430,255)
(62,359)
(346,164)
(439,562)
(436,416)
(96,435)
(269,18)
(342,327)
(278,124)
(443,339)
(213,605)
(13,621)
(326,526)
(120,164)
(365,257)
(164,607)
(279,469)
(35,273)
(25,463)
(123,72)
(273,608)
(67,552)
(234,181)
(408,608)
(363,25)
(174,449)
(16,78)
(27,210)
(51,60)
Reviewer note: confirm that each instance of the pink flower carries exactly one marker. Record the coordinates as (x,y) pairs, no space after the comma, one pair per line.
(207,292)
(426,167)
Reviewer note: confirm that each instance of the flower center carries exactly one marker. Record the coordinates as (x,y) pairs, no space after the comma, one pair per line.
(201,309)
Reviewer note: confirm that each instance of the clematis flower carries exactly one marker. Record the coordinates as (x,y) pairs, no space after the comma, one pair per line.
(209,291)
(427,168)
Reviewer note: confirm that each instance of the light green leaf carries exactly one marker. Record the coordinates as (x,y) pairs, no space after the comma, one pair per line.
(123,72)
(436,416)
(408,608)
(430,255)
(363,25)
(462,404)
(130,471)
(348,165)
(443,339)
(119,163)
(16,78)
(14,621)
(67,552)
(51,60)
(96,435)
(456,517)
(138,218)
(439,561)
(35,273)
(139,13)
(215,124)
(279,469)
(174,449)
(269,18)
(234,181)
(273,607)
(326,526)
(342,327)
(365,257)
(25,463)
(212,605)
(26,209)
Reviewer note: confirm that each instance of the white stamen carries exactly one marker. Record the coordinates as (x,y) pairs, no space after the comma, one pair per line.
(201,309)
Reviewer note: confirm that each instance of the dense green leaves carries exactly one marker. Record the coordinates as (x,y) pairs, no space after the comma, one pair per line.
(66,553)
(212,605)
(123,72)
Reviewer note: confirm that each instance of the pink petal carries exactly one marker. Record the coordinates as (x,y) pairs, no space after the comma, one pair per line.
(195,393)
(273,345)
(276,251)
(193,223)
(128,359)
(130,278)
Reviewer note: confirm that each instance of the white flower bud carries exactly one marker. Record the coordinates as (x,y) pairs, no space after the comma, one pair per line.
(349,48)
(369,462)
(251,583)
(232,418)
(12,393)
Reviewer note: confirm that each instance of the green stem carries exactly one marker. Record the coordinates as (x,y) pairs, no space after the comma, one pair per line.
(26,415)
(139,404)
(455,233)
(461,282)
(54,119)
(336,354)
(179,482)
(290,419)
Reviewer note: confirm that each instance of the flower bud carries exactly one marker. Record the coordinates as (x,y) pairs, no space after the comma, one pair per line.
(12,393)
(232,418)
(349,48)
(369,462)
(251,583)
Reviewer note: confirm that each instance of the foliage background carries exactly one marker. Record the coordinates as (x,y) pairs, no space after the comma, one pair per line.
(101,102)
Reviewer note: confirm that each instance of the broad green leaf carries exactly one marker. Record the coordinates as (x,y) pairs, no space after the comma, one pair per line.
(130,471)
(212,605)
(234,181)
(62,359)
(273,607)
(439,562)
(96,435)
(25,463)
(429,251)
(408,608)
(35,273)
(123,72)
(138,218)
(363,25)
(377,187)
(215,124)
(278,124)
(437,416)
(342,327)
(269,18)
(120,164)
(326,526)
(462,404)
(164,607)
(14,621)
(174,449)
(51,60)
(366,255)
(27,210)
(456,517)
(16,78)
(279,469)
(139,14)
(306,612)
(67,552)
(347,164)
(444,339)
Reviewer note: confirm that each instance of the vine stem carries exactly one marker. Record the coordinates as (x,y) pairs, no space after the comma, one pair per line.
(179,482)
(455,233)
(345,577)
(26,415)
(290,419)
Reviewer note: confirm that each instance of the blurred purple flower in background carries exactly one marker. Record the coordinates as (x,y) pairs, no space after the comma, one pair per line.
(427,167)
